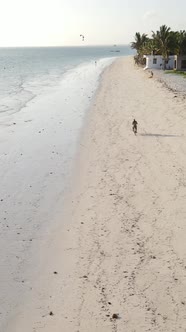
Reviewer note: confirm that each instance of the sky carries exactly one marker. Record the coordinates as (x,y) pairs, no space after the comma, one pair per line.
(102,22)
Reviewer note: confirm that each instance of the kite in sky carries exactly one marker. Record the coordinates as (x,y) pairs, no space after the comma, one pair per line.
(83,37)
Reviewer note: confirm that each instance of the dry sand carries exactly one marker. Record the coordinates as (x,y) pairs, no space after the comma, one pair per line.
(123,249)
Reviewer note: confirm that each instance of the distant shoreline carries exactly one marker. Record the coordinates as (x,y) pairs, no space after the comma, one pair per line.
(70,46)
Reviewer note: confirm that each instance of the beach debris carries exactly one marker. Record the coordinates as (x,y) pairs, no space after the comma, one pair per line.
(51,313)
(109,303)
(85,277)
(153,257)
(115,316)
(55,272)
(83,37)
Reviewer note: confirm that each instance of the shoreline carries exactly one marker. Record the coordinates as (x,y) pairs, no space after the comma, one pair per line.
(37,151)
(120,250)
(28,87)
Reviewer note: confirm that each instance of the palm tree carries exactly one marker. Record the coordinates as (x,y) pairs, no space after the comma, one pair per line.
(180,42)
(139,41)
(150,47)
(138,45)
(163,41)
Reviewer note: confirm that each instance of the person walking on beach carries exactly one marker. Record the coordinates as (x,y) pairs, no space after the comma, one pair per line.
(134,126)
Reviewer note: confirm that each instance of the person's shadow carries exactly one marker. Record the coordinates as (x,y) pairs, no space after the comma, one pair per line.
(158,135)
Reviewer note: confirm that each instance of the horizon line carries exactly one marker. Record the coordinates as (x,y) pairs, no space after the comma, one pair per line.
(53,46)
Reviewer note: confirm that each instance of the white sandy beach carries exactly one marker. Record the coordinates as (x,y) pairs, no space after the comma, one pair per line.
(120,247)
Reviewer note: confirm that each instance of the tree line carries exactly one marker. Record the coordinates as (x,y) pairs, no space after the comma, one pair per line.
(163,42)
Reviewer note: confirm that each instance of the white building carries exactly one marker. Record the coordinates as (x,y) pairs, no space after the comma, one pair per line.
(180,62)
(157,62)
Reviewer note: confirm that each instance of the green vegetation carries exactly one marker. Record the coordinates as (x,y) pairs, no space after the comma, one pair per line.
(163,42)
(176,72)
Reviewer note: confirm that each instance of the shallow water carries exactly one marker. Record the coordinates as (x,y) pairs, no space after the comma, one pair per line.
(44,96)
(27,72)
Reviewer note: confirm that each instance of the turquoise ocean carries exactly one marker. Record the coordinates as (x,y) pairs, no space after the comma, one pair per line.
(26,72)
